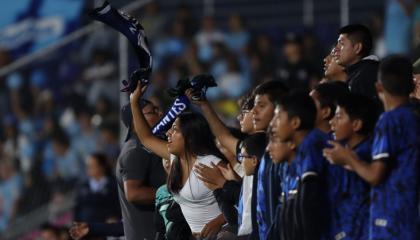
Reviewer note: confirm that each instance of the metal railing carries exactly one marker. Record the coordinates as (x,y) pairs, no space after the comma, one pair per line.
(34,219)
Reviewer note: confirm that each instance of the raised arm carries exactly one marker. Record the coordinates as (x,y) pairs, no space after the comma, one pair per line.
(219,129)
(373,172)
(142,128)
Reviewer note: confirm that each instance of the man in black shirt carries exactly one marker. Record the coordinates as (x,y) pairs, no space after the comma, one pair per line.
(139,173)
(353,52)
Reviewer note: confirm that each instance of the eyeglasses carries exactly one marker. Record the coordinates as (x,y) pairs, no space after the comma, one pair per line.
(241,157)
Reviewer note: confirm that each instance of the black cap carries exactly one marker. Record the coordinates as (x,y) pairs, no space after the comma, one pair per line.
(127,115)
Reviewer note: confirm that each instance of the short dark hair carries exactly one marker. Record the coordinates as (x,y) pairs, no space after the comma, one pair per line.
(103,162)
(273,89)
(358,33)
(329,92)
(299,104)
(247,101)
(255,144)
(360,107)
(396,75)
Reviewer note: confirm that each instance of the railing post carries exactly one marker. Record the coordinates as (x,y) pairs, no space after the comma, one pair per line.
(123,75)
(308,13)
(344,12)
(208,7)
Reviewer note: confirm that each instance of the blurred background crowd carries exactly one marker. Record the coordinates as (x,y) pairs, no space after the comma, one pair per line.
(59,124)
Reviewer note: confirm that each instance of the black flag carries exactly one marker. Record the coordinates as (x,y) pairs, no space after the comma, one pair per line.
(134,32)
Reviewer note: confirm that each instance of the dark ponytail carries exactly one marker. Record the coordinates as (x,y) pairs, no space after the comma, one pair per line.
(175,176)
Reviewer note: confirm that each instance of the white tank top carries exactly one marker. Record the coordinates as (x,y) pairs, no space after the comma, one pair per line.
(197,202)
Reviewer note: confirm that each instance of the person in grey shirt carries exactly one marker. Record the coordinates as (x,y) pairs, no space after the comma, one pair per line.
(139,174)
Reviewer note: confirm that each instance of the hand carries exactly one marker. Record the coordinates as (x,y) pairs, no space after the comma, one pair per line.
(337,154)
(166,163)
(228,173)
(138,93)
(79,230)
(210,175)
(189,93)
(212,228)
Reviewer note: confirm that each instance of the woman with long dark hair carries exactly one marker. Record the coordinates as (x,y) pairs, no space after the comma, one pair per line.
(190,141)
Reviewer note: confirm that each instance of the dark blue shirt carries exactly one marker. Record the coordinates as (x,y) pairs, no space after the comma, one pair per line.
(268,194)
(309,158)
(349,198)
(394,211)
(308,161)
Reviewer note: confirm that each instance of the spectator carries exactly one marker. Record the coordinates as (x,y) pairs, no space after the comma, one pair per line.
(104,113)
(10,134)
(171,46)
(232,83)
(263,60)
(153,21)
(352,51)
(206,36)
(183,14)
(398,26)
(85,142)
(306,176)
(333,71)
(100,76)
(67,164)
(219,64)
(350,210)
(139,173)
(189,142)
(295,72)
(109,142)
(97,198)
(50,127)
(237,37)
(22,109)
(10,190)
(325,96)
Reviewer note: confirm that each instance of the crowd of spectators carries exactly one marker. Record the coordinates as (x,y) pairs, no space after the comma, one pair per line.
(54,118)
